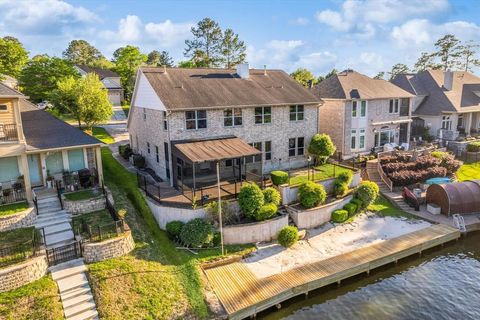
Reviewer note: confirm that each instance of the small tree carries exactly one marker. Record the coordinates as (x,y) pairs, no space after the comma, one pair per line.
(367,192)
(93,104)
(250,199)
(321,148)
(311,194)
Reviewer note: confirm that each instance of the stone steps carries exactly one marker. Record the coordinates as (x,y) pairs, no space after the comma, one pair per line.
(77,299)
(60,237)
(57,228)
(42,223)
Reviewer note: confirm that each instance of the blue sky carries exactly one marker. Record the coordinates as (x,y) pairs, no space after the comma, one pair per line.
(366,35)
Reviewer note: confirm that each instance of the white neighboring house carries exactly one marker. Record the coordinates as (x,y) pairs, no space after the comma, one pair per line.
(447,103)
(110,80)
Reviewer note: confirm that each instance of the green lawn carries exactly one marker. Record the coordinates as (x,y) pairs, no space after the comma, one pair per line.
(37,300)
(469,172)
(102,135)
(81,195)
(155,281)
(95,220)
(12,208)
(385,208)
(19,242)
(322,172)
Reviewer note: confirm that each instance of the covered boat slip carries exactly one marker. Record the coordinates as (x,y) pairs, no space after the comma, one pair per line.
(197,163)
(456,197)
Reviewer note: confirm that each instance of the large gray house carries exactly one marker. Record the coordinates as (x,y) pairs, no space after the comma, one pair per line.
(360,113)
(109,79)
(184,121)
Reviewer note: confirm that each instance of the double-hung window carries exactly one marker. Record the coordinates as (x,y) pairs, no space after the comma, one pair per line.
(296,146)
(296,113)
(359,108)
(446,123)
(268,150)
(232,117)
(361,139)
(363,108)
(353,139)
(165,123)
(258,157)
(263,115)
(196,119)
(394,106)
(354,109)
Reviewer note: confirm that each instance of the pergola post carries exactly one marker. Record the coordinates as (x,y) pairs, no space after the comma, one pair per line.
(193,176)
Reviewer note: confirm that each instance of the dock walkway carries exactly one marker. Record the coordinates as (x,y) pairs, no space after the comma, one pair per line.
(242,294)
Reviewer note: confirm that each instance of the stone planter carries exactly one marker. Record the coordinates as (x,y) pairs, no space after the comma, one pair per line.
(87,205)
(21,219)
(254,232)
(20,274)
(111,248)
(314,217)
(290,194)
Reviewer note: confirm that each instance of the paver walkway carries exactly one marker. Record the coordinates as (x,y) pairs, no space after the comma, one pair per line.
(75,292)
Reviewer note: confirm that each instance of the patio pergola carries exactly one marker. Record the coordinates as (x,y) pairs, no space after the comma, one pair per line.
(197,163)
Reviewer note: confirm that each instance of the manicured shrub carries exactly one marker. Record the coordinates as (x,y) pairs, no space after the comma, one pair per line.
(266,211)
(288,236)
(473,146)
(125,151)
(311,194)
(271,195)
(279,177)
(367,192)
(197,233)
(351,208)
(339,215)
(321,147)
(345,177)
(340,189)
(138,161)
(357,202)
(250,199)
(174,228)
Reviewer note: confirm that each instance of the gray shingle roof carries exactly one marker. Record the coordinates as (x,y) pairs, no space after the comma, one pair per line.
(464,96)
(205,88)
(350,84)
(8,92)
(44,131)
(102,73)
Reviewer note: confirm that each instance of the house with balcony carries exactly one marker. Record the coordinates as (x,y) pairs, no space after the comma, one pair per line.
(37,148)
(188,123)
(446,103)
(109,79)
(362,114)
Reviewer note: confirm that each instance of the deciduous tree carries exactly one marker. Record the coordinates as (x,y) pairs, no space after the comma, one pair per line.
(81,52)
(13,56)
(127,60)
(92,101)
(304,77)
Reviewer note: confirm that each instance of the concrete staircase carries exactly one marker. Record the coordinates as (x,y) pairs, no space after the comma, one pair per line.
(395,197)
(54,221)
(75,292)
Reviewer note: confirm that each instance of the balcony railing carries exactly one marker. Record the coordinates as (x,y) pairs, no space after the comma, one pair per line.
(8,132)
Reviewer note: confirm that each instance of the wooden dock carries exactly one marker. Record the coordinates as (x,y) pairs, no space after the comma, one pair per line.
(242,294)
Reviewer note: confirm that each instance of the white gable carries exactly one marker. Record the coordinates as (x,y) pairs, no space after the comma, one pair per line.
(145,96)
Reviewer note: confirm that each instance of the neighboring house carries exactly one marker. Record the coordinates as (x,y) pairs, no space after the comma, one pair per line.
(362,114)
(250,121)
(447,103)
(34,144)
(110,80)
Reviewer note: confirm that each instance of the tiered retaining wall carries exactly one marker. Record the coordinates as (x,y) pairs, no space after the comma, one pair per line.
(20,274)
(22,219)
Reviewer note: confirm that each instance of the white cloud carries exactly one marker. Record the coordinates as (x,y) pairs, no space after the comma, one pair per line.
(362,17)
(301,21)
(317,62)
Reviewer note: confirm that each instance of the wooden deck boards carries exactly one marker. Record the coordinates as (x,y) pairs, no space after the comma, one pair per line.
(242,294)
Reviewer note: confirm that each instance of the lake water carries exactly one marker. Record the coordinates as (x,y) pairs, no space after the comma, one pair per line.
(443,284)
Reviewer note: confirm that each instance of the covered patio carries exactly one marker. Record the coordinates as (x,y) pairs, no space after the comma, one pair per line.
(196,165)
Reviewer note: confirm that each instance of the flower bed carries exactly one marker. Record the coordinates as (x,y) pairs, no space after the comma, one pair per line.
(314,217)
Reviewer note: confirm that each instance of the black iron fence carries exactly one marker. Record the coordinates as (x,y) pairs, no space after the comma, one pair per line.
(11,192)
(64,253)
(19,252)
(8,132)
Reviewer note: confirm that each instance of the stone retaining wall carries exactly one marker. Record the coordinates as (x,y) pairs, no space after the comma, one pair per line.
(87,205)
(254,232)
(314,217)
(111,248)
(164,214)
(22,219)
(290,194)
(23,273)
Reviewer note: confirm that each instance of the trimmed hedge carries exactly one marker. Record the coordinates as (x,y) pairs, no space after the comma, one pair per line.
(473,146)
(197,233)
(351,208)
(367,192)
(174,228)
(271,195)
(266,211)
(279,177)
(311,194)
(288,236)
(339,215)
